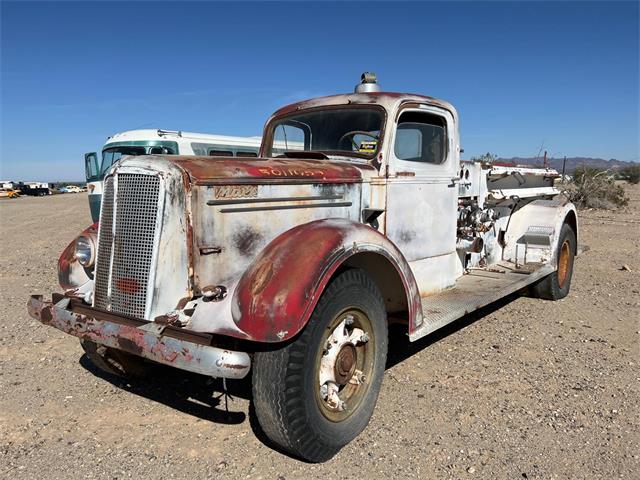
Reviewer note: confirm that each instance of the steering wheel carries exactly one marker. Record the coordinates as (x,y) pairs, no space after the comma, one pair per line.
(353,133)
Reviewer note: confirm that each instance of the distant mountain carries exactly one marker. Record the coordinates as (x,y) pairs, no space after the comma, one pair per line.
(572,163)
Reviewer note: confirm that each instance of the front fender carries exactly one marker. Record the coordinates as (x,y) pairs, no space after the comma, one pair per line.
(276,295)
(71,275)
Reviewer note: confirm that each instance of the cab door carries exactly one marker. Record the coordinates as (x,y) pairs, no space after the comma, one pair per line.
(422,193)
(94,183)
(91,166)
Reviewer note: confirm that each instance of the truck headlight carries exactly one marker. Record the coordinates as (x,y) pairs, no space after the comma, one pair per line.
(85,251)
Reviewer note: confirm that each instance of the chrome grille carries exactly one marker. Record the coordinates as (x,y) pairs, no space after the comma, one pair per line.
(125,285)
(103,261)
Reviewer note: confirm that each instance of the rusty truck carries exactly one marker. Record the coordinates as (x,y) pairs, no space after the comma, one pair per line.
(290,266)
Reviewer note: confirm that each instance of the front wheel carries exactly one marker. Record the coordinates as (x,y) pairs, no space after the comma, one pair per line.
(317,393)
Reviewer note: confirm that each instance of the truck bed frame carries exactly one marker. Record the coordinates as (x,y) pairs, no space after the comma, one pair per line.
(476,289)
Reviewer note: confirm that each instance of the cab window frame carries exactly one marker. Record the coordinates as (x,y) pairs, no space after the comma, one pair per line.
(426,118)
(268,140)
(448,120)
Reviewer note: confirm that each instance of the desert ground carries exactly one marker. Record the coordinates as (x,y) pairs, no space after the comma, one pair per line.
(525,389)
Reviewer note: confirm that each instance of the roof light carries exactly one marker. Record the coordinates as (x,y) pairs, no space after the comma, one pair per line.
(368,83)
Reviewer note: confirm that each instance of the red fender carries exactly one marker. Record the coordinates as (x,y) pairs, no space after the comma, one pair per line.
(277,294)
(70,273)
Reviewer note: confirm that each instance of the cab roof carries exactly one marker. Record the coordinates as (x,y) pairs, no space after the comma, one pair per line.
(388,100)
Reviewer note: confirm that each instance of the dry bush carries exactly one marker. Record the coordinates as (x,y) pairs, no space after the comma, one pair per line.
(631,174)
(592,188)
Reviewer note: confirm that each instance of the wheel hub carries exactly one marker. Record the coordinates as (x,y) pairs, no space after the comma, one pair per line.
(339,362)
(345,364)
(563,263)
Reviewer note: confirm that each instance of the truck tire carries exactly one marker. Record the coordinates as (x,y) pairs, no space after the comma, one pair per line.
(557,285)
(317,393)
(114,362)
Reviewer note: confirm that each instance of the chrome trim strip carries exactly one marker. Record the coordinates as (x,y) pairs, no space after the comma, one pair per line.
(272,199)
(286,207)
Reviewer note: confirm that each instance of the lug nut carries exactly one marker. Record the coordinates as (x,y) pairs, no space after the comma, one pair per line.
(324,391)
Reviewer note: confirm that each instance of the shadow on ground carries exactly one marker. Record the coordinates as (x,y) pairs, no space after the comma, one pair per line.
(203,397)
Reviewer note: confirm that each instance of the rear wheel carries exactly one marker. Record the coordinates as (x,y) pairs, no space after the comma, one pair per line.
(113,361)
(557,285)
(318,393)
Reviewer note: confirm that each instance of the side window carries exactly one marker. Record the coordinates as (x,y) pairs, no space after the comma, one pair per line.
(199,148)
(421,137)
(91,166)
(290,137)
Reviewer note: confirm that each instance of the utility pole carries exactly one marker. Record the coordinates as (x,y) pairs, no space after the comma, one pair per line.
(564,162)
(544,163)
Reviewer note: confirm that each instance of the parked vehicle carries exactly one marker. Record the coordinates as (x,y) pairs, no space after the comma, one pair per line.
(36,189)
(72,189)
(8,184)
(158,142)
(8,193)
(292,265)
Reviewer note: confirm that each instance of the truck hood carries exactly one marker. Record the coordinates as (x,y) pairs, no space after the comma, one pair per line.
(225,170)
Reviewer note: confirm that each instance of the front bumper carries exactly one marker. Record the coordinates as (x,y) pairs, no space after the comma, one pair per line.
(171,346)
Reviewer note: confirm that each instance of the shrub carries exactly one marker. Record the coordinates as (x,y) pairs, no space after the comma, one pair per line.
(631,174)
(487,158)
(592,188)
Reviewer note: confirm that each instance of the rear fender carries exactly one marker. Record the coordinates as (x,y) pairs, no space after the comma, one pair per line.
(275,297)
(548,214)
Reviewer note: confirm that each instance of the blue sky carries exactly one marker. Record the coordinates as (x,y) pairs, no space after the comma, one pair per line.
(520,74)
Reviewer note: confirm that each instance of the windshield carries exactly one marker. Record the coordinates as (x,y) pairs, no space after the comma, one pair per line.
(112,155)
(347,131)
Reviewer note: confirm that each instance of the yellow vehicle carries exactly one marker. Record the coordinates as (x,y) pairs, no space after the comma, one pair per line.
(9,193)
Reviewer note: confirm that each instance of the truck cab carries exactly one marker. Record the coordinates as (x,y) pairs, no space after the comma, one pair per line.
(358,212)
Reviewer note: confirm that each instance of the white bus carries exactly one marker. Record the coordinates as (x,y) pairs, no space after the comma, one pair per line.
(159,142)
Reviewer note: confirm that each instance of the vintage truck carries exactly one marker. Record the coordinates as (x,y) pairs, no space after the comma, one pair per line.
(292,265)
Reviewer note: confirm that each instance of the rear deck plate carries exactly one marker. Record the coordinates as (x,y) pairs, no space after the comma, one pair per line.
(474,290)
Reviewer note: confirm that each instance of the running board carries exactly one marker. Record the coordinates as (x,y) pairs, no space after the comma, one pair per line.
(474,290)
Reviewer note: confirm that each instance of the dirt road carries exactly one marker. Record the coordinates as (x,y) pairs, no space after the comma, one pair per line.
(531,389)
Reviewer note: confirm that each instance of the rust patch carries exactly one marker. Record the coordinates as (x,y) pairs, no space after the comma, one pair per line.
(263,274)
(233,366)
(260,170)
(45,314)
(129,346)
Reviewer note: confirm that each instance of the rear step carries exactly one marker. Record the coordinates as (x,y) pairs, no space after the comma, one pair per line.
(474,290)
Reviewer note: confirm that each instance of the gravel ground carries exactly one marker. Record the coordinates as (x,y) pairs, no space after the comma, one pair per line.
(525,389)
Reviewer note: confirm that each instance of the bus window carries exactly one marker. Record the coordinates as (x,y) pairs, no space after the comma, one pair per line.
(220,153)
(246,154)
(112,155)
(161,151)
